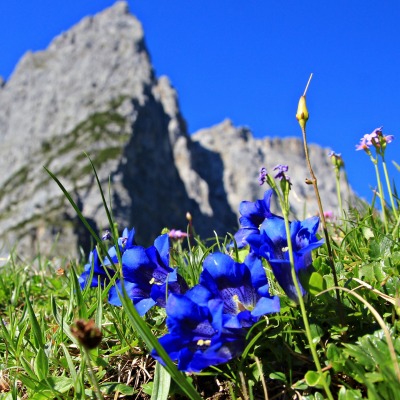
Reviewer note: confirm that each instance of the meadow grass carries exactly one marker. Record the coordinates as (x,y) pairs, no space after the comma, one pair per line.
(41,359)
(63,340)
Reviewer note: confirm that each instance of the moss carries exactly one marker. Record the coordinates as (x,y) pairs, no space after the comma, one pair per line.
(18,178)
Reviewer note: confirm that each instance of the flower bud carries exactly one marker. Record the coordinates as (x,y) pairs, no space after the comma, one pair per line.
(302,112)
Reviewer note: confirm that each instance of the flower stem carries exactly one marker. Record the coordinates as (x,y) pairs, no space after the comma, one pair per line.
(338,192)
(324,227)
(302,306)
(381,196)
(92,375)
(389,188)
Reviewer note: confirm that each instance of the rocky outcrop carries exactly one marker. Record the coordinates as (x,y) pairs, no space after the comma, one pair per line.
(94,90)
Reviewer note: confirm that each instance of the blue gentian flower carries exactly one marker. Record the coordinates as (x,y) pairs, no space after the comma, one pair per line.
(148,278)
(102,269)
(272,244)
(243,288)
(125,242)
(101,274)
(253,215)
(197,337)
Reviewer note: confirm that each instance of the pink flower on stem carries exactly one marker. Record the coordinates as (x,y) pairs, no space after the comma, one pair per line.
(177,234)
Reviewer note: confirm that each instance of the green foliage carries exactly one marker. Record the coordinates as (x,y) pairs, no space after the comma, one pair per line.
(40,358)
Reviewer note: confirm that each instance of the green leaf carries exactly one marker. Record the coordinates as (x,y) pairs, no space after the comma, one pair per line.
(162,382)
(316,284)
(148,388)
(278,375)
(37,333)
(368,233)
(349,394)
(60,384)
(316,332)
(41,365)
(41,393)
(114,387)
(313,378)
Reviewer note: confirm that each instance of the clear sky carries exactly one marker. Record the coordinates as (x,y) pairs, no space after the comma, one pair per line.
(249,60)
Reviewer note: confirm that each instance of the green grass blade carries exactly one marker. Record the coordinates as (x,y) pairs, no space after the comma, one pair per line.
(37,333)
(162,382)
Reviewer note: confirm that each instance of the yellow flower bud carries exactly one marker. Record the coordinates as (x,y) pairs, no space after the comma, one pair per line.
(302,112)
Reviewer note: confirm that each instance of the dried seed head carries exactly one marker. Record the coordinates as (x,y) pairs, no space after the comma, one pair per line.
(87,333)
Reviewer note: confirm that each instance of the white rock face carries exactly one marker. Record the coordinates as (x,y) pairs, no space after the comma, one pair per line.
(94,90)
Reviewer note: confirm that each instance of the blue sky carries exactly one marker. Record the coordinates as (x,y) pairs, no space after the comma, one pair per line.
(250,60)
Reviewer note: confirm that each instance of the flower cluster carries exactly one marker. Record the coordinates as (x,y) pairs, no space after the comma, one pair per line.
(265,233)
(375,139)
(280,174)
(146,274)
(209,323)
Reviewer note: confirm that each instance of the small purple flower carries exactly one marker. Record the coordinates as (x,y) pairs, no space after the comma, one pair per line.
(177,234)
(376,139)
(106,235)
(336,159)
(281,171)
(388,138)
(363,145)
(262,176)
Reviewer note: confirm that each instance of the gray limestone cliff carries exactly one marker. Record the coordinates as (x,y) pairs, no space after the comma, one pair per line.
(94,91)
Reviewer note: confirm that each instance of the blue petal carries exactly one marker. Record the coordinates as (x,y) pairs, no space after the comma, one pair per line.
(266,305)
(282,272)
(162,245)
(138,296)
(134,259)
(274,228)
(214,355)
(258,276)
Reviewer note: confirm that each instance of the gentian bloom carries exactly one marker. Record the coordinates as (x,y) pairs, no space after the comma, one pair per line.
(243,287)
(101,274)
(102,269)
(148,278)
(253,215)
(272,244)
(197,337)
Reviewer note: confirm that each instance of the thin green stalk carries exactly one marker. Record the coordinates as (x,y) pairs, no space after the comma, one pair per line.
(323,221)
(338,192)
(91,374)
(381,197)
(389,188)
(303,308)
